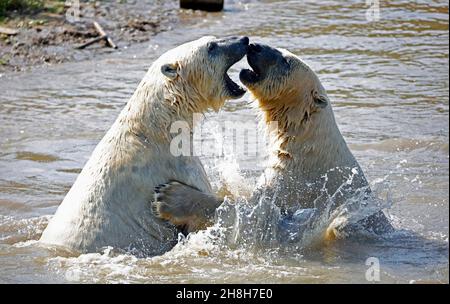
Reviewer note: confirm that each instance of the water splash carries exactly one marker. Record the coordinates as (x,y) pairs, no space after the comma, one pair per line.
(258,226)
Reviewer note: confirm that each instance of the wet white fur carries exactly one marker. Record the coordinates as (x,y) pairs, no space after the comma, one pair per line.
(109,203)
(309,153)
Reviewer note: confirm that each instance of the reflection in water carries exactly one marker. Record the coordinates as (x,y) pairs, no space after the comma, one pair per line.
(388,81)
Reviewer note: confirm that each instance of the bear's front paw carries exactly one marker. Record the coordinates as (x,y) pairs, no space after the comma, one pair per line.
(172,203)
(184,206)
(161,205)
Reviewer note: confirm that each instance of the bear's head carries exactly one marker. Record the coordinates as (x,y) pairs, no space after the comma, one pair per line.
(195,73)
(286,88)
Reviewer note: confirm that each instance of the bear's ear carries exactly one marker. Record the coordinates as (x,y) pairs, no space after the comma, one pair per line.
(320,100)
(170,70)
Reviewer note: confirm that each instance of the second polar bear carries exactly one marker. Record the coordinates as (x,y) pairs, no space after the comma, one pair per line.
(311,164)
(110,202)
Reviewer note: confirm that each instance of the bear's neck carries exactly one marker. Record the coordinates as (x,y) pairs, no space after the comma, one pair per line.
(149,114)
(307,148)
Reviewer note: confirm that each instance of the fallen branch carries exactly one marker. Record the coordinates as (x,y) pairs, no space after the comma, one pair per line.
(102,33)
(103,36)
(92,41)
(8,31)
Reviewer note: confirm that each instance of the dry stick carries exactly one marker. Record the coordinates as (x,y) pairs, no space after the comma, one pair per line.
(102,36)
(92,41)
(8,31)
(102,33)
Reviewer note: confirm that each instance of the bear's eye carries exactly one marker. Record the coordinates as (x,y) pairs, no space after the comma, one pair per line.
(211,46)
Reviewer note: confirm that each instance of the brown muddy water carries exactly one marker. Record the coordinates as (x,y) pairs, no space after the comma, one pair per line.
(388,81)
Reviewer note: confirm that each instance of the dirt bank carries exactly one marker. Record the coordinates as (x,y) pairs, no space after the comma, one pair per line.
(51,34)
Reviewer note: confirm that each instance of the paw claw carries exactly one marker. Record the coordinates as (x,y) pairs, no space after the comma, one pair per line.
(156,197)
(177,203)
(155,207)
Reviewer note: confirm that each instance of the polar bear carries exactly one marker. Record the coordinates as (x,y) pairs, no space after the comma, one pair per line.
(310,162)
(110,201)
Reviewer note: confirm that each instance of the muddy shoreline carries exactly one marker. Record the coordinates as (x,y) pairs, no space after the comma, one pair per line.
(48,38)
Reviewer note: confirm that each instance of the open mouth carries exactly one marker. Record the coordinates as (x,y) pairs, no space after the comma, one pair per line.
(253,75)
(248,76)
(235,90)
(234,49)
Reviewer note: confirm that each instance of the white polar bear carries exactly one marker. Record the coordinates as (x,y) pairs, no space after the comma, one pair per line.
(109,203)
(311,164)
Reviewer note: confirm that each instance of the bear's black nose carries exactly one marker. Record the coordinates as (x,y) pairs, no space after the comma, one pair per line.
(255,48)
(245,40)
